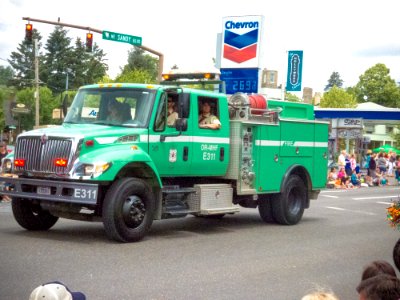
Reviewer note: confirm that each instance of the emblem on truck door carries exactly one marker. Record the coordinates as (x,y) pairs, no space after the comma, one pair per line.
(172,155)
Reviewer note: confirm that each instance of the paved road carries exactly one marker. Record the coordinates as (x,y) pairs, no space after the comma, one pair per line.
(238,257)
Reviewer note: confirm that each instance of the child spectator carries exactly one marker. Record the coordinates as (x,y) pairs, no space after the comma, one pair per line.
(342,176)
(353,162)
(354,179)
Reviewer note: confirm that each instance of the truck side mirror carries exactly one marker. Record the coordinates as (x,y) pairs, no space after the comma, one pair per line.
(181,124)
(184,105)
(64,105)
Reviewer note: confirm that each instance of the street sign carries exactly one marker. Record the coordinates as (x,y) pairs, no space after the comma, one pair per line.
(123,38)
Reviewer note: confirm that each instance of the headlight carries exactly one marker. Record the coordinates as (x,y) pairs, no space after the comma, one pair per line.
(92,170)
(7,165)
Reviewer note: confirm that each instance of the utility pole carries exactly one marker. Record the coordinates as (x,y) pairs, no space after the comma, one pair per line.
(36,83)
(159,54)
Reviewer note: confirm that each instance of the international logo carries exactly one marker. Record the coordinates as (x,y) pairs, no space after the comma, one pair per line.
(43,139)
(240,40)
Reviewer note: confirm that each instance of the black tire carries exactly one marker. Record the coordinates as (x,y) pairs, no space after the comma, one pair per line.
(265,209)
(396,254)
(288,206)
(31,216)
(128,210)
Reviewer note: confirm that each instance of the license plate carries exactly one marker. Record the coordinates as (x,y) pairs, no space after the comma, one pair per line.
(43,190)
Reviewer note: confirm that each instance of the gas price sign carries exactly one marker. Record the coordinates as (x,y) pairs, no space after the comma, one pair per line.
(240,80)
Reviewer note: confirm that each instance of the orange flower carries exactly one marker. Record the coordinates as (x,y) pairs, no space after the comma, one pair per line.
(393,214)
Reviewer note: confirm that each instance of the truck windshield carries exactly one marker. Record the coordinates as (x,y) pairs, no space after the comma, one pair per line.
(112,106)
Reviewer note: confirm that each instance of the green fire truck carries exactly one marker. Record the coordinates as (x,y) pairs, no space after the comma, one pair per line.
(266,154)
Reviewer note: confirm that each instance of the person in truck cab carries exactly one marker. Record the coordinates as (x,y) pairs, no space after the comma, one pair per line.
(206,118)
(172,114)
(118,112)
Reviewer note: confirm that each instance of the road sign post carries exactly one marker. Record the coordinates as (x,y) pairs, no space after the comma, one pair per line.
(123,38)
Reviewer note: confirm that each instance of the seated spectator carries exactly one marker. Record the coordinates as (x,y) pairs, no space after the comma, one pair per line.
(368,180)
(343,177)
(320,296)
(380,179)
(354,179)
(332,177)
(379,287)
(54,291)
(377,267)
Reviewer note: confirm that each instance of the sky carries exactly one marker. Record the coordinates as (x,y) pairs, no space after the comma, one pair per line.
(344,36)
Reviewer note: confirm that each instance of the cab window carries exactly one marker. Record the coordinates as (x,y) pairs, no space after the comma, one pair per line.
(208,113)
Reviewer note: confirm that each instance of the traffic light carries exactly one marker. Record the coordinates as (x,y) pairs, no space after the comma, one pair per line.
(89,42)
(28,33)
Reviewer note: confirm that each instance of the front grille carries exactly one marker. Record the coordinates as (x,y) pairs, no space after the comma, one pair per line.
(40,157)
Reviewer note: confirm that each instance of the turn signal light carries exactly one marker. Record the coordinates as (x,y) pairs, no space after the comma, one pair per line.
(61,162)
(19,162)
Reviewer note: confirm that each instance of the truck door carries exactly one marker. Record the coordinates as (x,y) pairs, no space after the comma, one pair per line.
(210,135)
(169,150)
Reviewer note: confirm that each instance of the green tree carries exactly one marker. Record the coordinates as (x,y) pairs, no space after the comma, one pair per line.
(23,62)
(95,66)
(86,68)
(57,59)
(46,106)
(396,137)
(338,98)
(138,60)
(334,80)
(6,75)
(141,76)
(377,86)
(292,97)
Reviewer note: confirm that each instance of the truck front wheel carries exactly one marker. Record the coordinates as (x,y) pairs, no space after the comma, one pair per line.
(288,206)
(128,210)
(31,216)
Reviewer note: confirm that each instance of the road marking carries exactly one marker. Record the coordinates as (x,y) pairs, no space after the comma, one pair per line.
(352,211)
(333,191)
(336,208)
(329,196)
(386,203)
(377,197)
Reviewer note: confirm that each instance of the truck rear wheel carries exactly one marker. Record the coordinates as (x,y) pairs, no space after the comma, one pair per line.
(288,206)
(265,209)
(128,210)
(31,216)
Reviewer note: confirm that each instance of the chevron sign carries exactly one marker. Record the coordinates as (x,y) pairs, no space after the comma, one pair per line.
(241,41)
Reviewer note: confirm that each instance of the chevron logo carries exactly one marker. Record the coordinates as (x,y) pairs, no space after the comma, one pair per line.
(240,48)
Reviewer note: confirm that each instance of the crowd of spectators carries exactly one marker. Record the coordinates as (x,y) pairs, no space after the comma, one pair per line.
(379,166)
